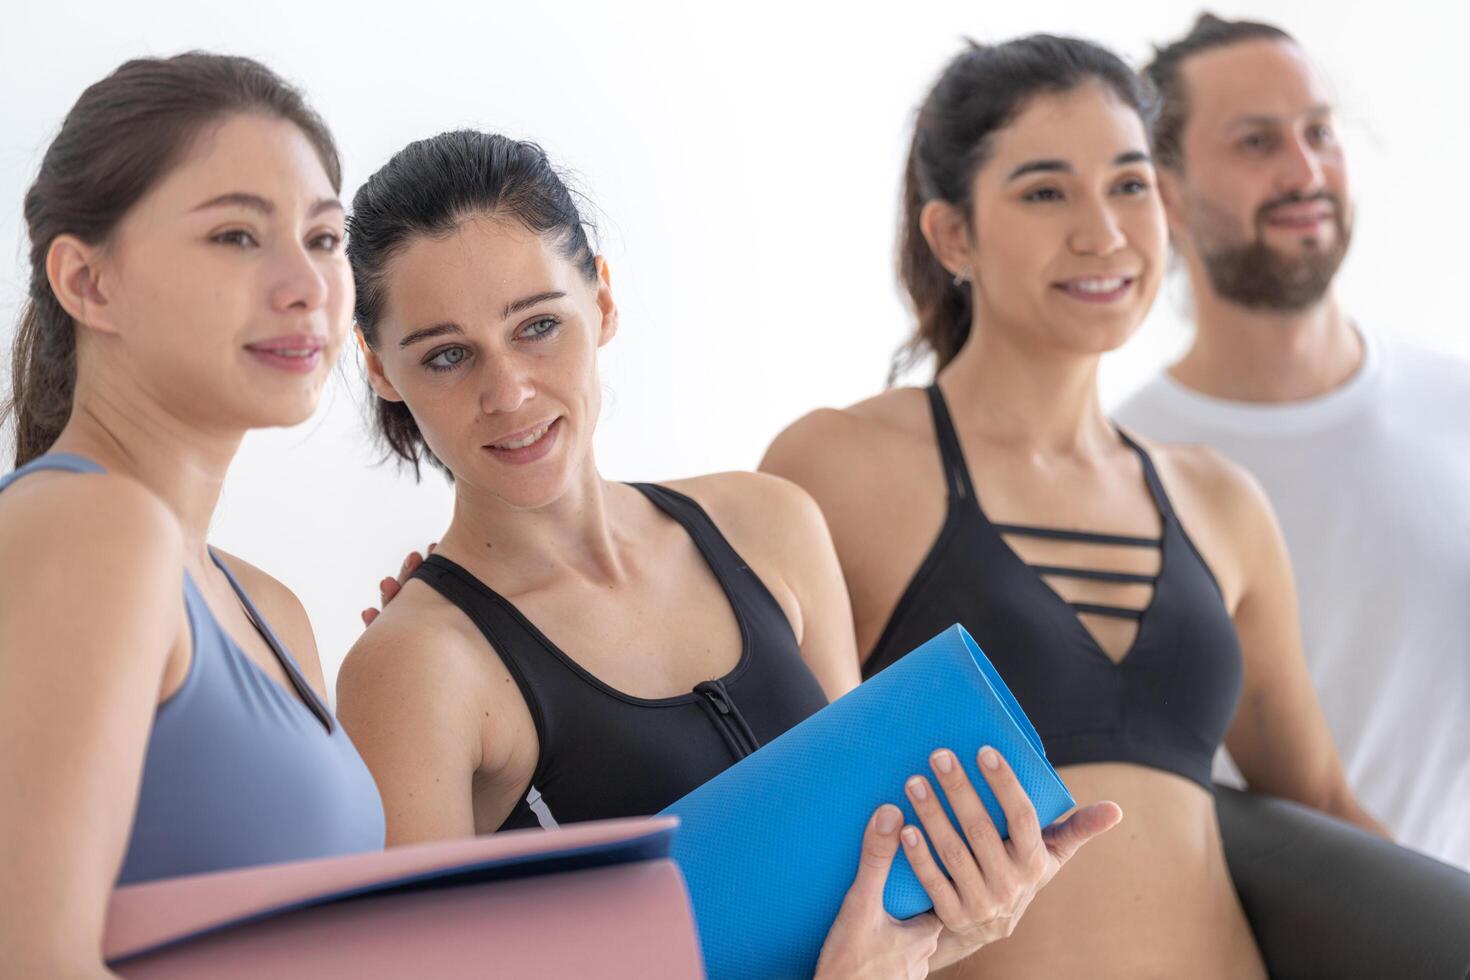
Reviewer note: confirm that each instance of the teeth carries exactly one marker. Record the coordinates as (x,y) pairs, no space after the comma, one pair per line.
(524,441)
(1097,285)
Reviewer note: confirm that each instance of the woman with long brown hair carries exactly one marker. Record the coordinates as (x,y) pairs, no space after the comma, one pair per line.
(162,708)
(1136,597)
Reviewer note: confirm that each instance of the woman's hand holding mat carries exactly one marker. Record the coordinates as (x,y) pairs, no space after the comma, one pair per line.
(980,892)
(986,883)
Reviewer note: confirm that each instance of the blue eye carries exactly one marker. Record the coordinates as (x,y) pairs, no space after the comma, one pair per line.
(446,359)
(540,329)
(237,236)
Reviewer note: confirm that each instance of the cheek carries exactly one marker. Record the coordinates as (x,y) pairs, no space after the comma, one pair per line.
(341,295)
(1015,251)
(1149,233)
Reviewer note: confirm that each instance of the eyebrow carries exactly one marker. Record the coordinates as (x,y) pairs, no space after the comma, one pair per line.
(449,327)
(425,333)
(1269,120)
(254,202)
(1062,166)
(512,308)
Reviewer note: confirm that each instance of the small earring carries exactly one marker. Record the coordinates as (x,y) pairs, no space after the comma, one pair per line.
(960,278)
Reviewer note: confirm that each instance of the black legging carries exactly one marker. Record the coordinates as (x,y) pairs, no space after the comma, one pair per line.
(1326,899)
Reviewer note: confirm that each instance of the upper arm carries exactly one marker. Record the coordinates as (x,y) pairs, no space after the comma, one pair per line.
(779,527)
(286,617)
(89,617)
(410,699)
(1279,738)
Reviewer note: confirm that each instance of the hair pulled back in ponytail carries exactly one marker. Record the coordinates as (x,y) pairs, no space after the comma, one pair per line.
(979,92)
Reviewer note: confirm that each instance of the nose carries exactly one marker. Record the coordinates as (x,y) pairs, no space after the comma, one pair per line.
(1097,231)
(300,282)
(505,384)
(1301,168)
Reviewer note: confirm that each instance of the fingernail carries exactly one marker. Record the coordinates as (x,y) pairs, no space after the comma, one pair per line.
(888,819)
(943,761)
(917,789)
(910,837)
(989,758)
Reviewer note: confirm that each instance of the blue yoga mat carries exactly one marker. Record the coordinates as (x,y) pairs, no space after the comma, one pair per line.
(770,846)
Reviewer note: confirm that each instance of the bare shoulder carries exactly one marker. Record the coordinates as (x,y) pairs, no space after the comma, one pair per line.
(753,507)
(282,611)
(413,650)
(830,441)
(891,413)
(1211,482)
(102,543)
(96,531)
(88,514)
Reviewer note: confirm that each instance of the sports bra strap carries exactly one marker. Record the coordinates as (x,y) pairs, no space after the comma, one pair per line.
(956,473)
(68,462)
(1150,476)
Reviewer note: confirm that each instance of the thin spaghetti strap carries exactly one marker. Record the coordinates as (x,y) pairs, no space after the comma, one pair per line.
(956,473)
(1151,477)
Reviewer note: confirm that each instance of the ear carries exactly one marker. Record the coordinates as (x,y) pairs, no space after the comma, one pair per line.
(605,303)
(73,269)
(948,234)
(381,385)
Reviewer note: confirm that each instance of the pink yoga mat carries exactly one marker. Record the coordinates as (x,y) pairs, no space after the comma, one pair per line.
(599,899)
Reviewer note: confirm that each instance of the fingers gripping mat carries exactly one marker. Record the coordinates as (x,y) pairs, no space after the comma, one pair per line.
(770,846)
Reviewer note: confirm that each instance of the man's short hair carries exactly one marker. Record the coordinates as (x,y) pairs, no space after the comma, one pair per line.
(1208,32)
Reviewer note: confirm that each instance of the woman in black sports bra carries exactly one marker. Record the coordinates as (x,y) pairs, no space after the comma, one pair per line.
(637,639)
(1136,599)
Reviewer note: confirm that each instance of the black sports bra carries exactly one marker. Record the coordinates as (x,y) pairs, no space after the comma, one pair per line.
(1166,704)
(608,754)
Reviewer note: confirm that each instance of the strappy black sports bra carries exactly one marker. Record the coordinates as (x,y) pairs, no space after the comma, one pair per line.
(608,754)
(1166,704)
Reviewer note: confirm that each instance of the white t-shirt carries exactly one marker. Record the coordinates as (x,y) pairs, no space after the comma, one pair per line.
(1371,484)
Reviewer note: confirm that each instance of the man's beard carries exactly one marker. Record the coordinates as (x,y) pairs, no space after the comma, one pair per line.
(1258,277)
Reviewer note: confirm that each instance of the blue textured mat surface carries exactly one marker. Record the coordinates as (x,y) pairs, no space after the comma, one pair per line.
(770,846)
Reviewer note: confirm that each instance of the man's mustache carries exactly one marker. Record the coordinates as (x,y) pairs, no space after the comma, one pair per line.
(1264,211)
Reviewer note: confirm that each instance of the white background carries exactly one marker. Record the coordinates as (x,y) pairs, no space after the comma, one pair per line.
(745,162)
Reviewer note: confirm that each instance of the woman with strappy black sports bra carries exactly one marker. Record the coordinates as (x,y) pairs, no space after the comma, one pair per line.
(578,648)
(1136,598)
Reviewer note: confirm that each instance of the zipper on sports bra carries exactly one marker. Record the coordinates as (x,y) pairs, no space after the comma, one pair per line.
(727,717)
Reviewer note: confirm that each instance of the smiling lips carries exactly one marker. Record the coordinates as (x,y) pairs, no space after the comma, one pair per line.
(527,445)
(1098,289)
(293,353)
(1306,216)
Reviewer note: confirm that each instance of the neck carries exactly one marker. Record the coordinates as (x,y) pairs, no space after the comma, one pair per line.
(578,533)
(1262,356)
(1036,400)
(115,425)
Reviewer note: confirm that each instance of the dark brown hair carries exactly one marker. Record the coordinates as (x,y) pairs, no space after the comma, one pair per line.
(425,191)
(1208,32)
(119,139)
(979,92)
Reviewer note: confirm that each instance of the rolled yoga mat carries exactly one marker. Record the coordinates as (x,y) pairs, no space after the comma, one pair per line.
(1326,899)
(770,846)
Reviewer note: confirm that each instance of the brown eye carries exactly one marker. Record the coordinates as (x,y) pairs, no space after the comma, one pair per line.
(238,237)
